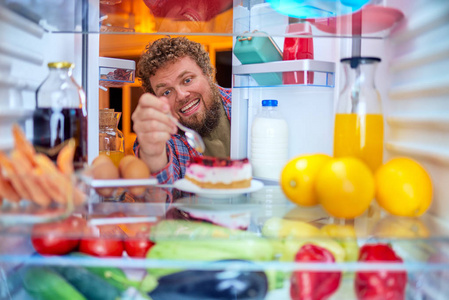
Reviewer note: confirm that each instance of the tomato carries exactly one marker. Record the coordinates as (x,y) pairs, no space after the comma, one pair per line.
(137,243)
(57,238)
(102,246)
(138,246)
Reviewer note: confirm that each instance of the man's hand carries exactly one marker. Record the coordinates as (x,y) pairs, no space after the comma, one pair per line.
(154,128)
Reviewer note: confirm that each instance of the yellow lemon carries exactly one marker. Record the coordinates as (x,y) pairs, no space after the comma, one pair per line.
(298,178)
(403,187)
(345,187)
(400,227)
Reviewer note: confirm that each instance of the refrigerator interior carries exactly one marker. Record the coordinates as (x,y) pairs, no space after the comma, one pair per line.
(412,80)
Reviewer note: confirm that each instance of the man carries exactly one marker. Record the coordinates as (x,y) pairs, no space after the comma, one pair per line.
(177,77)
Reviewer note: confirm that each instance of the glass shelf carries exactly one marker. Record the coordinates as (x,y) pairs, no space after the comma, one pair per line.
(193,17)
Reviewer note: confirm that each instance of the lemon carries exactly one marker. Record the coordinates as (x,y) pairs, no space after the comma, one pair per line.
(345,187)
(400,227)
(298,178)
(403,187)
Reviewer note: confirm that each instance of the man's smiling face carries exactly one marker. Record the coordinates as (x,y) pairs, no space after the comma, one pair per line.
(191,94)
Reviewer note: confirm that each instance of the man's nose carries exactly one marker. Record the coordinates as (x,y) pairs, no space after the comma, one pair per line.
(182,92)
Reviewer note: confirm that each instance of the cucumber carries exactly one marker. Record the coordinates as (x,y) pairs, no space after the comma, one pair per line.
(113,276)
(44,284)
(88,284)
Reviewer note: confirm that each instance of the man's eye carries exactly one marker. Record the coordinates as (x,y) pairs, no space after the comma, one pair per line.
(166,93)
(188,80)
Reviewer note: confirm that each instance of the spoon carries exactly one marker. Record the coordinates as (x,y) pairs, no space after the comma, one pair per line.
(193,137)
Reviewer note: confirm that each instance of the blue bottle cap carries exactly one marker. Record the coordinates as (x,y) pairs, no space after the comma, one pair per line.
(269,102)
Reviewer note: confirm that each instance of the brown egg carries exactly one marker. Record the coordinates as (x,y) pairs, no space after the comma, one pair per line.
(105,169)
(124,162)
(101,158)
(136,169)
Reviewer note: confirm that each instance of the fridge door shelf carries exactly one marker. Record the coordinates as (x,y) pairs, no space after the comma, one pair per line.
(116,72)
(271,73)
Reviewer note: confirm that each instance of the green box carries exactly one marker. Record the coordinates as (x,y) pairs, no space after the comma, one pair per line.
(259,49)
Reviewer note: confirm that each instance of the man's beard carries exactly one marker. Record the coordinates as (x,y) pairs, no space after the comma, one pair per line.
(211,116)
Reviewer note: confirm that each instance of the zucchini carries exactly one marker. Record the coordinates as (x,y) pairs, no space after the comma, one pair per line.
(113,276)
(44,284)
(90,285)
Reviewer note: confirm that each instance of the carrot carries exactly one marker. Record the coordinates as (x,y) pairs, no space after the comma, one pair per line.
(24,169)
(39,196)
(45,164)
(11,174)
(65,157)
(22,144)
(50,189)
(7,190)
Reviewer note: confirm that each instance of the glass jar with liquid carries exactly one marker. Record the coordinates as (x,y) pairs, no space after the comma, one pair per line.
(359,124)
(111,140)
(60,114)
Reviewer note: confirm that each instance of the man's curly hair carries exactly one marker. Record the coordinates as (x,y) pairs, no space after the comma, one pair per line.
(167,50)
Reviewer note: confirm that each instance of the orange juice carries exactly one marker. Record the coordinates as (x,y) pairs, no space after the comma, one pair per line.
(115,156)
(360,136)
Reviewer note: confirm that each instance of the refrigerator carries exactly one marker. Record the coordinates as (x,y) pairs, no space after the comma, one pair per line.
(409,36)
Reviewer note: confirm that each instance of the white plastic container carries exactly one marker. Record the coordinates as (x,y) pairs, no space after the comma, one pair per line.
(269,142)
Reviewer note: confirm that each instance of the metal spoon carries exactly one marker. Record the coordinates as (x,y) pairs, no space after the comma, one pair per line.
(193,137)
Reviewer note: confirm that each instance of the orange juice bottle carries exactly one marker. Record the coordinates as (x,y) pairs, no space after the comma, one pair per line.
(360,136)
(359,124)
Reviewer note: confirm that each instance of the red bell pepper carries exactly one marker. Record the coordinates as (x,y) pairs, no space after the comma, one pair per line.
(382,284)
(314,285)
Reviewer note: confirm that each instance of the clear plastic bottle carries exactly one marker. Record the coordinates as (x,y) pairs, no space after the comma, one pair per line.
(359,125)
(269,142)
(111,140)
(60,114)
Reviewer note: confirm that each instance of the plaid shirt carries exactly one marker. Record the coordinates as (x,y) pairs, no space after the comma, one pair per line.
(179,151)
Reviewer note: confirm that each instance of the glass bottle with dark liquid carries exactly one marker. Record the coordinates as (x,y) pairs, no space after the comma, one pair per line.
(60,114)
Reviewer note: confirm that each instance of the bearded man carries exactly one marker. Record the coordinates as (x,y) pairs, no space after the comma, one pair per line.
(178,79)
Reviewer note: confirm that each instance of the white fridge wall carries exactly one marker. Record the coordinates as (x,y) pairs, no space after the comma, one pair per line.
(417,106)
(309,114)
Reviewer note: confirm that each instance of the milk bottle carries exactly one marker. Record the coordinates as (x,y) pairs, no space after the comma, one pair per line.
(269,142)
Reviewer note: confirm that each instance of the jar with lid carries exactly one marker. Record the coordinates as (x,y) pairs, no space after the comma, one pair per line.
(359,125)
(60,114)
(112,142)
(269,142)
